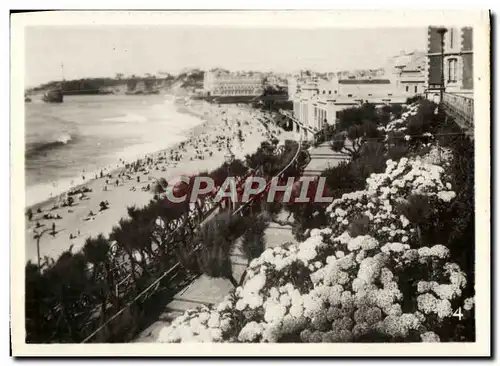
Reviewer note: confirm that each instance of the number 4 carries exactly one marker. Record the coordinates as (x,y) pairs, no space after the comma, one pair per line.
(458,313)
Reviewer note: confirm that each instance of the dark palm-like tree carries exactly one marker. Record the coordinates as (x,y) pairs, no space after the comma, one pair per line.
(216,238)
(97,252)
(68,280)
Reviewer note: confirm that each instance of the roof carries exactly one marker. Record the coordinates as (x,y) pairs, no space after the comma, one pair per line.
(364,81)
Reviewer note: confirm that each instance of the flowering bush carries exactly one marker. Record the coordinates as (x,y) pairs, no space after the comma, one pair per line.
(334,287)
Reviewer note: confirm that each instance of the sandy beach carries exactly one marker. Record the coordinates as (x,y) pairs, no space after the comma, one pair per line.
(203,150)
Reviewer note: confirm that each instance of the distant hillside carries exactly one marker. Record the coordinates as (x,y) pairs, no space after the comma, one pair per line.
(188,79)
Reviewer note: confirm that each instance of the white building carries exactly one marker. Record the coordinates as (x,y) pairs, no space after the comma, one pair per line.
(317,103)
(408,70)
(219,83)
(316,100)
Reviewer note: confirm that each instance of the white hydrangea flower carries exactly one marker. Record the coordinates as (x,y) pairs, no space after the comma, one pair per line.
(285,300)
(296,310)
(214,320)
(404,221)
(427,303)
(443,309)
(394,247)
(274,293)
(446,196)
(240,305)
(440,251)
(446,292)
(250,332)
(424,286)
(429,337)
(274,312)
(469,303)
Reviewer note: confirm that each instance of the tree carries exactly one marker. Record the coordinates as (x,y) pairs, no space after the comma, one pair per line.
(68,280)
(253,240)
(158,189)
(357,116)
(350,142)
(96,251)
(216,238)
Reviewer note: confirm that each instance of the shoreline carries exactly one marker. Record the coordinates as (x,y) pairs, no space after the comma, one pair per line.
(203,149)
(115,170)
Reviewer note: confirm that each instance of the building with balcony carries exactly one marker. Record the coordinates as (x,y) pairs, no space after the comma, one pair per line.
(229,84)
(450,54)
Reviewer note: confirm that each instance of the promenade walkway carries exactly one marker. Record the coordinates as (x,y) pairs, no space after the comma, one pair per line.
(322,157)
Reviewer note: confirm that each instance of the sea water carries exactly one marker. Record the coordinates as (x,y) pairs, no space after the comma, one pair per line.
(67,144)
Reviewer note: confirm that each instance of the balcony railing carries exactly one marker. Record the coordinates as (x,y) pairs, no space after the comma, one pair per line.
(460,107)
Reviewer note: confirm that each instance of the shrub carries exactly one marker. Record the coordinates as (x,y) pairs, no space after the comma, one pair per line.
(253,240)
(357,115)
(340,179)
(359,226)
(216,238)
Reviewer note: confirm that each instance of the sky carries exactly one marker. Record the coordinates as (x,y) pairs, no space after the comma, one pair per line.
(103,51)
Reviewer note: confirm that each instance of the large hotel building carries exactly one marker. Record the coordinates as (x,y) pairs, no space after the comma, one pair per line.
(230,84)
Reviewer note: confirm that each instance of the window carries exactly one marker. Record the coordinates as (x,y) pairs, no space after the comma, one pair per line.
(416,89)
(452,70)
(407,88)
(349,95)
(389,95)
(451,37)
(369,95)
(329,92)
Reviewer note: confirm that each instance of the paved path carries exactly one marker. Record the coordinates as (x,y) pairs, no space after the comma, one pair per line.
(322,157)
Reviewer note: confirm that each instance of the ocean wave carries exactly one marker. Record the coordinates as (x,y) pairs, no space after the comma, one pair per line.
(37,148)
(129,117)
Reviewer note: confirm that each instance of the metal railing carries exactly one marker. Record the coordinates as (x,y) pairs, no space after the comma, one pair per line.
(460,107)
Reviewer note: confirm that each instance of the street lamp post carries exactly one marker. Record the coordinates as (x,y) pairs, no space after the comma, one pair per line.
(229,157)
(442,32)
(38,237)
